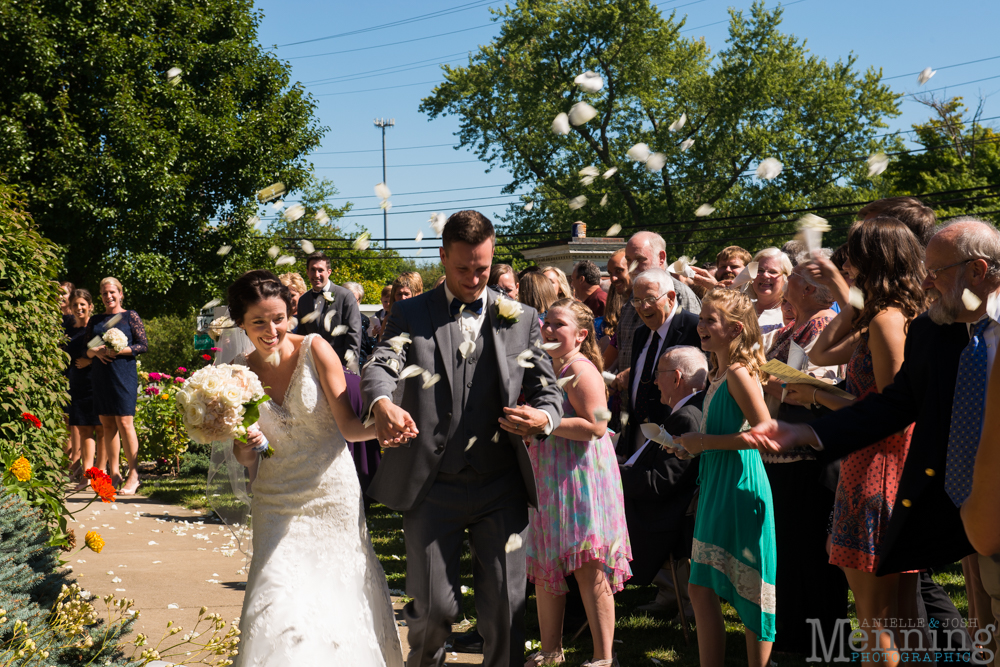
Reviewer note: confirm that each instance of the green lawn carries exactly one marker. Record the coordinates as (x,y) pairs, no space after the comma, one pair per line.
(643,636)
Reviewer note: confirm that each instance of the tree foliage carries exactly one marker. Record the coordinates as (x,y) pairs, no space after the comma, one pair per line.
(136,173)
(763,95)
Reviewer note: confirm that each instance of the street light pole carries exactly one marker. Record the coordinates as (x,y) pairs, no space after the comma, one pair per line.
(383,123)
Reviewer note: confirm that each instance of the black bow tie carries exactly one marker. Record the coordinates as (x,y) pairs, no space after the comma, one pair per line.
(474,307)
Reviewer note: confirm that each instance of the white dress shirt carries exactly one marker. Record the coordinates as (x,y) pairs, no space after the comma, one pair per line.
(992,333)
(640,363)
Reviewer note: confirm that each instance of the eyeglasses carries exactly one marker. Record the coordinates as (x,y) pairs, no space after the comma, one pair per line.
(657,372)
(649,301)
(933,273)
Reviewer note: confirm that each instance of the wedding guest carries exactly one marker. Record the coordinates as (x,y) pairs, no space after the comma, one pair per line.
(333,306)
(802,488)
(796,251)
(440,281)
(659,487)
(559,281)
(618,295)
(729,262)
(66,289)
(887,265)
(380,316)
(947,361)
(579,527)
(295,285)
(920,219)
(407,285)
(586,285)
(665,324)
(82,417)
(536,290)
(503,276)
(115,382)
(368,342)
(733,551)
(773,269)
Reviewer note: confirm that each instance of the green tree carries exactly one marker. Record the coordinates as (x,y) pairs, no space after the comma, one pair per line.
(138,169)
(957,153)
(763,95)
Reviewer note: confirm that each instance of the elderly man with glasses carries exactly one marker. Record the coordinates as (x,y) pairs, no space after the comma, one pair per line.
(665,325)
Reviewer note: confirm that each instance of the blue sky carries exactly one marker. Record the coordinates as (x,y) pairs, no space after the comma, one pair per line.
(901,38)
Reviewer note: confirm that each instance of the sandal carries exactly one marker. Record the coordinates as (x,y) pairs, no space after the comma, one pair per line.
(539,658)
(610,662)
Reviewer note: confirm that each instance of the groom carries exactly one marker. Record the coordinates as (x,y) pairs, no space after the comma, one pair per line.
(456,458)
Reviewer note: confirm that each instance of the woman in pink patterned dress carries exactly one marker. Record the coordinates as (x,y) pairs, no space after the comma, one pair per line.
(885,260)
(579,526)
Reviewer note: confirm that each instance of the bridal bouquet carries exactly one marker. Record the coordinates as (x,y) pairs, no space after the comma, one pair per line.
(220,402)
(115,339)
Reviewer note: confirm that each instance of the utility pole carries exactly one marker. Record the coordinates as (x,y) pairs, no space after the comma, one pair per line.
(383,123)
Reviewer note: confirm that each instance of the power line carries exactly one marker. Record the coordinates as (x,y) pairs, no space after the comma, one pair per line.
(405,148)
(397,166)
(393,24)
(956,85)
(369,90)
(404,67)
(381,46)
(970,62)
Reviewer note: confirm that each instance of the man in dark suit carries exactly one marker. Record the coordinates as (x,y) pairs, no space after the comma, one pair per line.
(459,462)
(658,487)
(925,529)
(325,307)
(665,325)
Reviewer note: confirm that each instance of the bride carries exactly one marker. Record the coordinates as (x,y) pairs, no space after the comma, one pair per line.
(316,594)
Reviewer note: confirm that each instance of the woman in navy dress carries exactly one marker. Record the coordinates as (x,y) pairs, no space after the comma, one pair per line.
(82,417)
(116,382)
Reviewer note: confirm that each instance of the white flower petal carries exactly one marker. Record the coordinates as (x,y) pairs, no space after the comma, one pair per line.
(471,442)
(589,82)
(925,75)
(548,346)
(856,298)
(386,204)
(639,152)
(530,205)
(602,415)
(420,236)
(610,172)
(274,358)
(173,606)
(174,72)
(322,217)
(339,330)
(362,242)
(604,200)
(589,171)
(430,380)
(270,192)
(437,223)
(581,112)
(971,301)
(577,202)
(307,247)
(686,144)
(253,221)
(410,371)
(704,210)
(560,125)
(769,168)
(613,230)
(679,123)
(608,377)
(877,163)
(211,304)
(223,250)
(273,251)
(466,348)
(382,191)
(631,267)
(656,162)
(810,221)
(561,382)
(310,316)
(524,357)
(284,260)
(514,542)
(294,212)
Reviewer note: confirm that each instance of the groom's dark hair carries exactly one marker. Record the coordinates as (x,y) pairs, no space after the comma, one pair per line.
(470,227)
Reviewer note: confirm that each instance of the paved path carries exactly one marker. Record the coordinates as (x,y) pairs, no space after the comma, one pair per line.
(170,560)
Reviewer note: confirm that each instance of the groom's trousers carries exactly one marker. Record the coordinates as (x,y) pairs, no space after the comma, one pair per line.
(492,507)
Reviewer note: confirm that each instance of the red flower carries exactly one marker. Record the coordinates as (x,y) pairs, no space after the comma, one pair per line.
(152,391)
(101,484)
(181,369)
(206,357)
(31,419)
(155,377)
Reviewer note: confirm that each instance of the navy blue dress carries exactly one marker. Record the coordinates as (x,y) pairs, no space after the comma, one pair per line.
(115,384)
(81,394)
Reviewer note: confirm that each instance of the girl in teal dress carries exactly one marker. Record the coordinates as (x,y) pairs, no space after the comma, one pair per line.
(733,552)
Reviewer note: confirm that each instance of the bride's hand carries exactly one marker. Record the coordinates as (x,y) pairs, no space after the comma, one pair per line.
(393,425)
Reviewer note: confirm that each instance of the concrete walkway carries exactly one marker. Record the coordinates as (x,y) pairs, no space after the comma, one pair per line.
(171,561)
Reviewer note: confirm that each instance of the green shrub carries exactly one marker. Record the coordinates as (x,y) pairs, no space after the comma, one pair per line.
(195,460)
(171,344)
(31,363)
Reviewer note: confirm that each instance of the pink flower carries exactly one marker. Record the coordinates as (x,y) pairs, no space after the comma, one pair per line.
(181,369)
(155,377)
(179,380)
(215,349)
(165,378)
(152,391)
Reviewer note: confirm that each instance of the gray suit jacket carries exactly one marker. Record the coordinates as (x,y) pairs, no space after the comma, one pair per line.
(406,473)
(345,311)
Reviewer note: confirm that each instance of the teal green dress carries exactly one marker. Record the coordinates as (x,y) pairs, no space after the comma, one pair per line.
(733,552)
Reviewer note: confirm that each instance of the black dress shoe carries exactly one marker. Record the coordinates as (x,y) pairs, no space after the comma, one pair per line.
(468,642)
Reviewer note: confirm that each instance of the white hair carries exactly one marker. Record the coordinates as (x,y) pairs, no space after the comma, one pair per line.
(652,239)
(691,362)
(980,240)
(356,288)
(783,260)
(658,276)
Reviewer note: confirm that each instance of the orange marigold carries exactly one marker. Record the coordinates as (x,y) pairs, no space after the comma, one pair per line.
(21,469)
(94,541)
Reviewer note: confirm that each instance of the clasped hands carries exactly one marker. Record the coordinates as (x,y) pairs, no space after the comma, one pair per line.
(395,427)
(770,436)
(105,354)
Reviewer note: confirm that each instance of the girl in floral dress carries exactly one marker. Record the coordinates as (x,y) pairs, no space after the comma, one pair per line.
(733,551)
(579,526)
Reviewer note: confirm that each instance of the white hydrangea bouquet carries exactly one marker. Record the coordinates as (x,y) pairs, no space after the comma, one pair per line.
(220,402)
(115,339)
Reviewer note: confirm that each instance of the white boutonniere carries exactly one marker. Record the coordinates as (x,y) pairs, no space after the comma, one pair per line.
(508,309)
(329,297)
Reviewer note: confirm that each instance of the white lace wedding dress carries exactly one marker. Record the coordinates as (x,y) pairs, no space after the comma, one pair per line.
(316,593)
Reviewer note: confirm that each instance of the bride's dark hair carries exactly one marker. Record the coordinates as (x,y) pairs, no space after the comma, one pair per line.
(253,287)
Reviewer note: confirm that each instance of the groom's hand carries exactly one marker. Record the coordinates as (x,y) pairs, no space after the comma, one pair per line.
(393,425)
(524,420)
